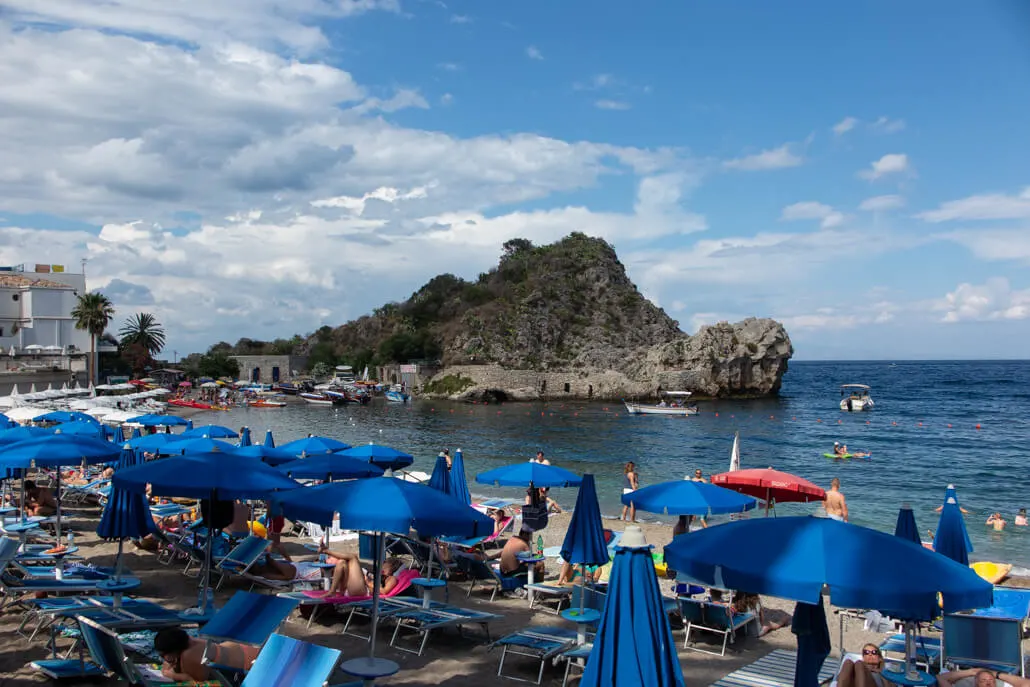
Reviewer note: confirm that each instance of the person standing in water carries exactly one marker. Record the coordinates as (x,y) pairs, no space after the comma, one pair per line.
(835,504)
(631,485)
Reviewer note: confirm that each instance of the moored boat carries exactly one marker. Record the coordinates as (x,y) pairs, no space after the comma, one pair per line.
(855,397)
(395,396)
(320,399)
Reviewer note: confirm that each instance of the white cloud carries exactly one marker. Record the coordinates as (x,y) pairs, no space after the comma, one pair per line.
(993,300)
(446,99)
(885,125)
(882,203)
(986,206)
(994,244)
(449,66)
(612,105)
(461,19)
(892,163)
(533,53)
(844,126)
(827,216)
(775,158)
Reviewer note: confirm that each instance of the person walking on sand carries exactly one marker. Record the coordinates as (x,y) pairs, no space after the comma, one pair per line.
(835,504)
(631,485)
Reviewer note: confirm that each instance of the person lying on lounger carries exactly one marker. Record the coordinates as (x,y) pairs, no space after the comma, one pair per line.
(981,678)
(39,500)
(351,579)
(183,655)
(864,673)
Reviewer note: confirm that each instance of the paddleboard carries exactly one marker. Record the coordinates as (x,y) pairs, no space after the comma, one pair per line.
(992,572)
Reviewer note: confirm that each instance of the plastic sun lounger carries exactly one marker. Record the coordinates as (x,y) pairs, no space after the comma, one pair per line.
(288,661)
(45,611)
(241,558)
(247,618)
(713,617)
(422,621)
(481,571)
(775,669)
(541,643)
(928,650)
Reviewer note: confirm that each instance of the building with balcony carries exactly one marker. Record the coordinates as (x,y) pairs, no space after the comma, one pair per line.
(36,323)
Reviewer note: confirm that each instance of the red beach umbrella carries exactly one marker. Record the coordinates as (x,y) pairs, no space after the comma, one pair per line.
(771,485)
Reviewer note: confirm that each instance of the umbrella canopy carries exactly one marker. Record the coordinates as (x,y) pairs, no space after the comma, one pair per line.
(769,484)
(195,445)
(951,493)
(794,557)
(136,434)
(84,429)
(152,442)
(440,479)
(272,456)
(525,474)
(245,437)
(385,504)
(383,456)
(634,643)
(951,538)
(152,420)
(686,497)
(459,482)
(118,436)
(310,446)
(329,466)
(215,475)
(126,514)
(6,422)
(584,541)
(210,432)
(906,526)
(16,434)
(65,416)
(57,450)
(269,440)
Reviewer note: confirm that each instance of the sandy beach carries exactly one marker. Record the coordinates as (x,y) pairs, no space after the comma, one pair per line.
(448,659)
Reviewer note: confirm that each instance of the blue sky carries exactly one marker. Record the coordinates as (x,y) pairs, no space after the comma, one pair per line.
(261,168)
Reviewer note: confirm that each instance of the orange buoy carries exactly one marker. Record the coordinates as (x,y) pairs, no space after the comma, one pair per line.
(978,426)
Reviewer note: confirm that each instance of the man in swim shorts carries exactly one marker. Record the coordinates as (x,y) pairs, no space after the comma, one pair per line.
(835,504)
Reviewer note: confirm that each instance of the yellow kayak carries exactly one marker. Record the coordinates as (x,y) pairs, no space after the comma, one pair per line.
(992,572)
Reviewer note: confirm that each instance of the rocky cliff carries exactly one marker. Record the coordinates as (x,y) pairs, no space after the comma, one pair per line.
(561,320)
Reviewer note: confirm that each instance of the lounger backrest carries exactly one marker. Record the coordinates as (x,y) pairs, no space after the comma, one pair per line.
(249,618)
(106,651)
(505,526)
(8,550)
(248,550)
(1015,602)
(970,639)
(693,611)
(718,616)
(288,661)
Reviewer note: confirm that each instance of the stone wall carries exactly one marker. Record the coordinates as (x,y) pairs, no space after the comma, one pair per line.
(289,366)
(497,383)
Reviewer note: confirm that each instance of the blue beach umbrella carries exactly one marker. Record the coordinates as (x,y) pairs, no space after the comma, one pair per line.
(126,514)
(195,445)
(84,429)
(152,442)
(951,494)
(459,482)
(210,432)
(584,541)
(269,440)
(310,446)
(65,416)
(118,436)
(270,455)
(634,643)
(906,526)
(951,538)
(794,557)
(685,497)
(6,422)
(136,434)
(383,456)
(440,479)
(329,466)
(529,473)
(189,424)
(153,420)
(16,434)
(245,438)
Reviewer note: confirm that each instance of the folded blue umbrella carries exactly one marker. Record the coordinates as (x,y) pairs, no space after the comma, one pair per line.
(269,440)
(440,479)
(210,432)
(136,433)
(153,420)
(686,497)
(329,466)
(245,437)
(951,538)
(584,540)
(906,526)
(809,625)
(383,456)
(126,514)
(310,446)
(459,488)
(634,644)
(525,474)
(118,436)
(794,557)
(66,416)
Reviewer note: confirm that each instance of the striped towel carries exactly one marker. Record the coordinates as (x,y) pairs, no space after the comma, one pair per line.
(775,669)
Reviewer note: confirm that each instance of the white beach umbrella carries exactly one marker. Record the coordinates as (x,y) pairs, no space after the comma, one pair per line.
(735,453)
(32,389)
(7,401)
(25,413)
(14,391)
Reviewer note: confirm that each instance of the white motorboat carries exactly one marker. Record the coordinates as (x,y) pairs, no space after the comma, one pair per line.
(855,397)
(672,403)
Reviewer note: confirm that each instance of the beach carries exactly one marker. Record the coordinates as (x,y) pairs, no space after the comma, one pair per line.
(448,659)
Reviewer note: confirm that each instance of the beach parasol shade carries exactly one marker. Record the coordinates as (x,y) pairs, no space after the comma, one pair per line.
(310,446)
(152,420)
(794,557)
(214,475)
(329,466)
(65,416)
(84,429)
(270,455)
(769,484)
(686,497)
(16,434)
(210,432)
(525,474)
(195,445)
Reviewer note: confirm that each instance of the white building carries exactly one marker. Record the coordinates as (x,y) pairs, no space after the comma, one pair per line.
(36,313)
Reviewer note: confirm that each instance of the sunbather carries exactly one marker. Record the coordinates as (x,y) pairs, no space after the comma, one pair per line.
(183,655)
(351,579)
(81,477)
(284,571)
(770,620)
(500,517)
(864,673)
(510,564)
(39,500)
(982,678)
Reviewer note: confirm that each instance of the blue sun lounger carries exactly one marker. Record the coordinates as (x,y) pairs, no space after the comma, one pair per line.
(247,618)
(541,643)
(422,621)
(288,661)
(241,558)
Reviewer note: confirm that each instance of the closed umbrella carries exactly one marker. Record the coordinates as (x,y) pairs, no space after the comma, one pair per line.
(634,643)
(813,637)
(118,436)
(735,453)
(951,538)
(269,440)
(313,445)
(686,497)
(384,505)
(584,540)
(951,493)
(440,479)
(126,514)
(459,482)
(383,456)
(245,437)
(906,525)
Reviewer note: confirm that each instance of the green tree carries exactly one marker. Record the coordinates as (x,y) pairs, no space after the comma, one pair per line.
(143,329)
(217,365)
(93,313)
(321,371)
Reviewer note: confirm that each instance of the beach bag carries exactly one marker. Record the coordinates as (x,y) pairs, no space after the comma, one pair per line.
(534,516)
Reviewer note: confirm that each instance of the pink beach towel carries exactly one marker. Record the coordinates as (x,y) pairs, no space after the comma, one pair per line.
(404,579)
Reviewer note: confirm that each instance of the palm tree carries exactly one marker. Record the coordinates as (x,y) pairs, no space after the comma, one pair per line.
(144,330)
(92,313)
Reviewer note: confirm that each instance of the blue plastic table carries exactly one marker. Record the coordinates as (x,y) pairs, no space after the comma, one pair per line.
(113,585)
(530,560)
(369,669)
(588,616)
(426,585)
(900,677)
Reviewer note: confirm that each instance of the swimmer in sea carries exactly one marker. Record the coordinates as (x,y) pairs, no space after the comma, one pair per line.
(996,521)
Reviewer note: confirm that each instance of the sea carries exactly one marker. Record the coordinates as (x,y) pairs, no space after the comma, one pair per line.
(935,423)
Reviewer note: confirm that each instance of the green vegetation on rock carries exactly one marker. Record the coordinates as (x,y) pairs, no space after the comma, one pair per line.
(448,385)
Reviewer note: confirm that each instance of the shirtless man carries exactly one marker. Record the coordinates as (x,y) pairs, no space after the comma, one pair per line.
(510,564)
(182,656)
(835,504)
(982,678)
(997,522)
(39,500)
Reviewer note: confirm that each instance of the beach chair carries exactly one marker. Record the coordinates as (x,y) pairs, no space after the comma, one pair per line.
(575,657)
(287,661)
(240,559)
(480,571)
(540,643)
(247,618)
(977,641)
(544,595)
(422,621)
(318,600)
(775,669)
(713,617)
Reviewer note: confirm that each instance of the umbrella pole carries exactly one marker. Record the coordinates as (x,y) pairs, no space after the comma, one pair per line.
(427,599)
(376,568)
(57,527)
(910,650)
(206,577)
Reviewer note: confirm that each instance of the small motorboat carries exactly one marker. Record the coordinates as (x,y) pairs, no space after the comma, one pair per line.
(672,403)
(321,399)
(396,396)
(855,397)
(266,403)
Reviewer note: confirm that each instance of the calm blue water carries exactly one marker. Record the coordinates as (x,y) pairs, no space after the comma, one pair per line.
(922,436)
